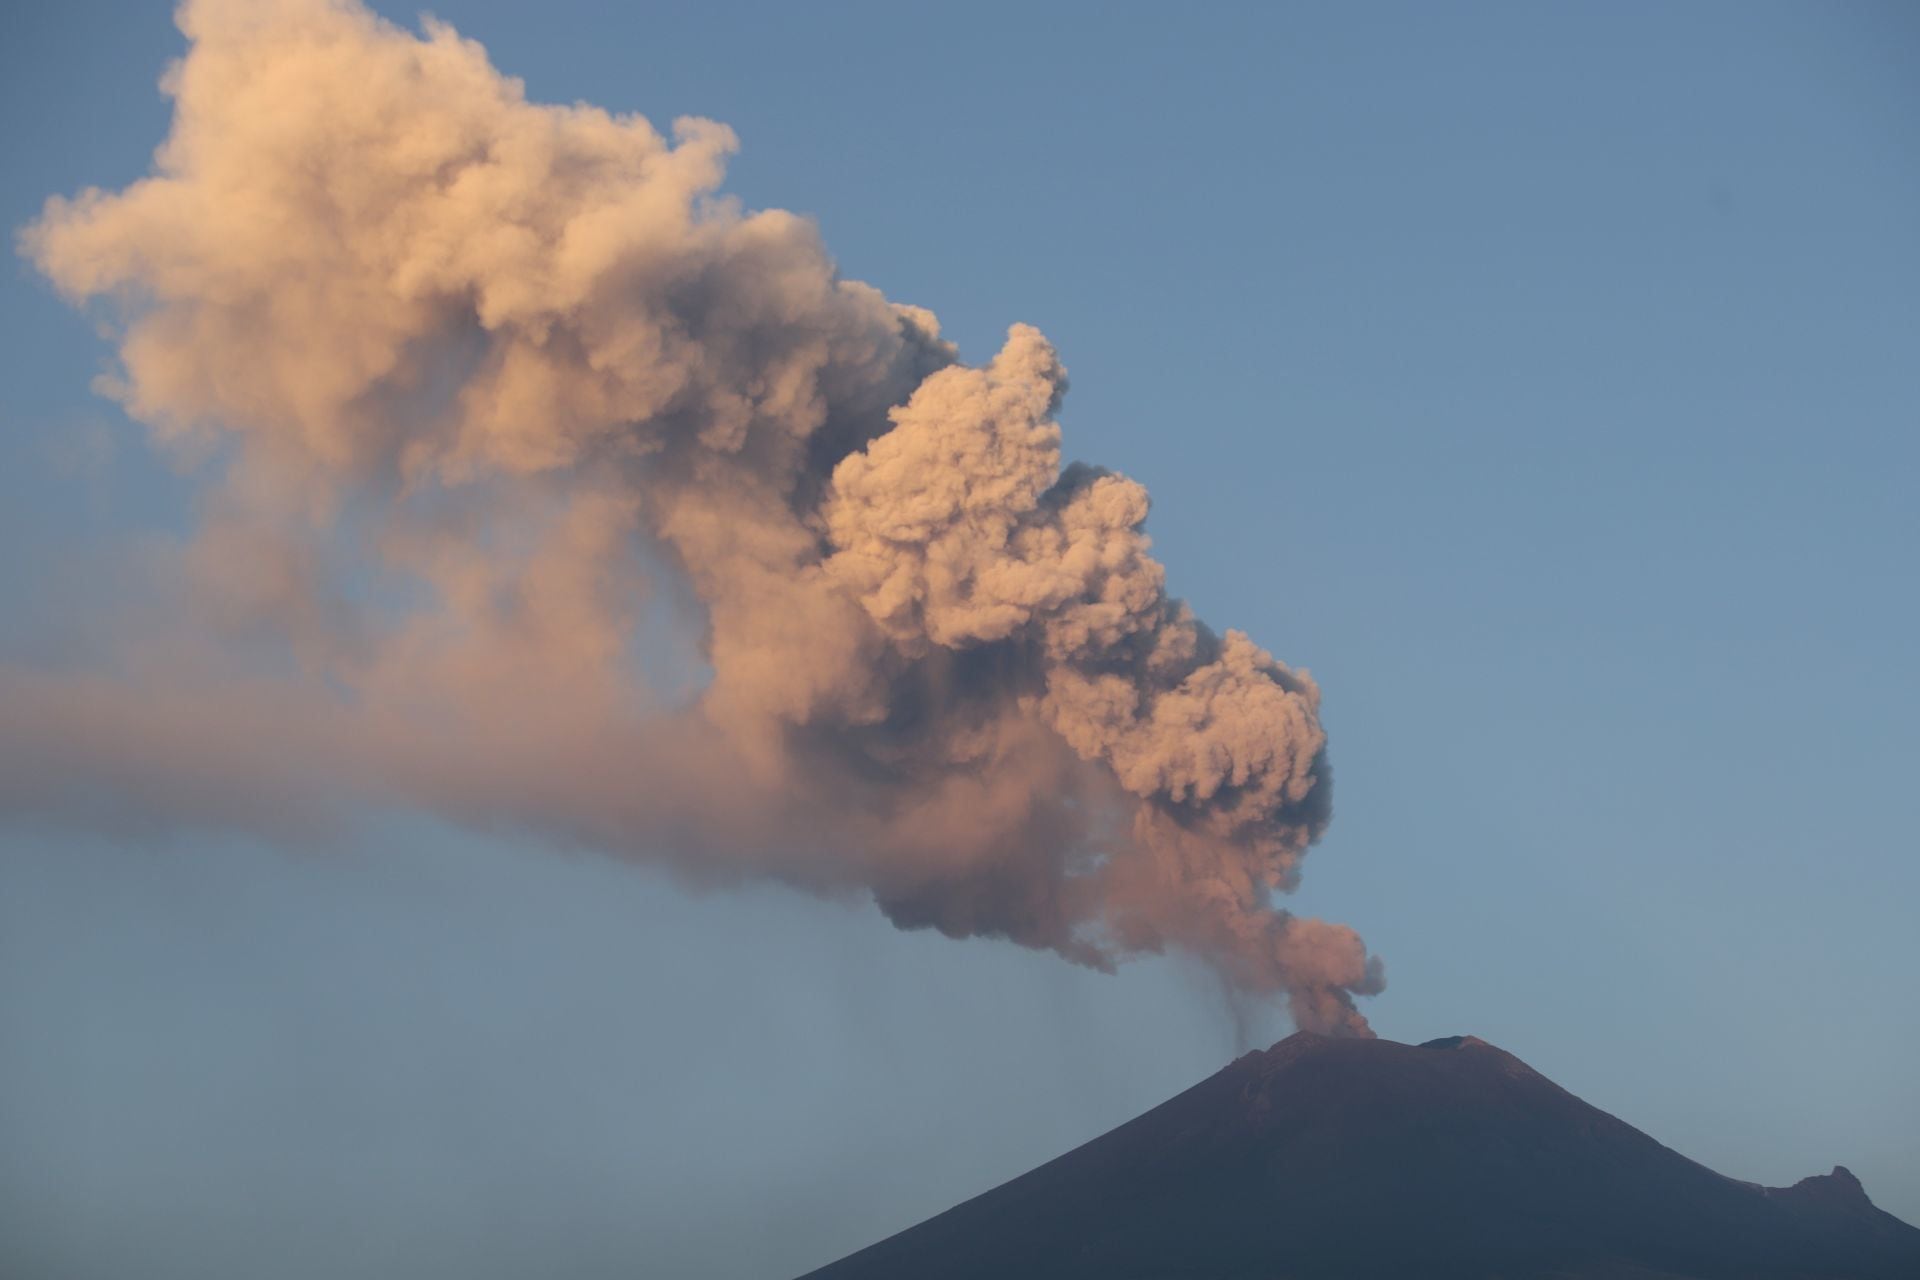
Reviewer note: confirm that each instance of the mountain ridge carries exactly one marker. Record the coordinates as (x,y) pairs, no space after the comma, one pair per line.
(1329,1157)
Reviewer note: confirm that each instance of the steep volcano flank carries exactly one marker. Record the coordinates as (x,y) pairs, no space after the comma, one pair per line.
(1344,1157)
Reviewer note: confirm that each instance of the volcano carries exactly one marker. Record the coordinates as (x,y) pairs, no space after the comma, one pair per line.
(1324,1157)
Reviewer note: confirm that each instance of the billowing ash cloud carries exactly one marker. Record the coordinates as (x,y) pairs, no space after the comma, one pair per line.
(482,385)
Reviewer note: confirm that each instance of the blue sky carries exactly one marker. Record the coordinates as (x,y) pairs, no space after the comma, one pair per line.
(1545,380)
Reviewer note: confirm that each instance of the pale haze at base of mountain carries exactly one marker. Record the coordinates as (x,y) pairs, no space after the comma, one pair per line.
(446,1058)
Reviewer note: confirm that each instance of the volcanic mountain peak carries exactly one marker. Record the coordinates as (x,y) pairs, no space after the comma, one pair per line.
(1334,1157)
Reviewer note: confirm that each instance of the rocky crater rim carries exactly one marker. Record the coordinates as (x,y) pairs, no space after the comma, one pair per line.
(1455,1042)
(1305,1039)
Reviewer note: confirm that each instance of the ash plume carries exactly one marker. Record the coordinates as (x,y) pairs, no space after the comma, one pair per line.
(480,385)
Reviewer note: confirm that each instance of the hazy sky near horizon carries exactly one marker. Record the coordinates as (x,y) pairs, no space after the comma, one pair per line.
(1545,380)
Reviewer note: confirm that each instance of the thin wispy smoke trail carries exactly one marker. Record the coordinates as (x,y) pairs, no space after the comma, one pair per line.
(477,375)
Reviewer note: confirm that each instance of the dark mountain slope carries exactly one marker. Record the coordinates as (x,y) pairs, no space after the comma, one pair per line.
(1362,1158)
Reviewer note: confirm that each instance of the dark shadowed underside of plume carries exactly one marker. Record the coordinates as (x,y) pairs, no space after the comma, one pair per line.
(1325,1157)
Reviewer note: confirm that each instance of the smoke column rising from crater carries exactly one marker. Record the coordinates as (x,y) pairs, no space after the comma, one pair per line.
(476,375)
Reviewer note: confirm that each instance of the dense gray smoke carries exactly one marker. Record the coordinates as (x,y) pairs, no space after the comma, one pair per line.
(481,385)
